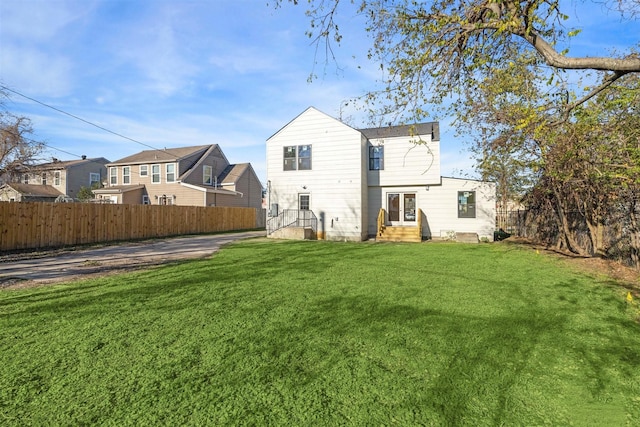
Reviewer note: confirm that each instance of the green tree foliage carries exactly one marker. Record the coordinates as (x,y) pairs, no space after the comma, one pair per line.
(86,193)
(431,50)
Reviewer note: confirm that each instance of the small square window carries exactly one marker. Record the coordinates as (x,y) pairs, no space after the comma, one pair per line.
(144,170)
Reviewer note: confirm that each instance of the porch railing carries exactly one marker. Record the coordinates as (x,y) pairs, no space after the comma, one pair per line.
(293,218)
(380,226)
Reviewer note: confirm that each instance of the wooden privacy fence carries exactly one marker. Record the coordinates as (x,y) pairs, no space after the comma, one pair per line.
(46,225)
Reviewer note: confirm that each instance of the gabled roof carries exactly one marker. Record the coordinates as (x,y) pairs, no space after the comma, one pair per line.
(66,164)
(429,128)
(34,190)
(166,155)
(232,173)
(303,113)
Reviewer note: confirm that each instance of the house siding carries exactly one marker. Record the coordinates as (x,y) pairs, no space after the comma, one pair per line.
(334,183)
(406,161)
(189,173)
(347,197)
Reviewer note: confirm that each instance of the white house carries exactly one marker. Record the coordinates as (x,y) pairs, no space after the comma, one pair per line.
(349,184)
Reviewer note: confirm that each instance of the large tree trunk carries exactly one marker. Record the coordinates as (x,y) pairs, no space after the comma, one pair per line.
(567,235)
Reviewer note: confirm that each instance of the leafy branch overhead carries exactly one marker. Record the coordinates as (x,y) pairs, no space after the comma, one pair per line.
(433,49)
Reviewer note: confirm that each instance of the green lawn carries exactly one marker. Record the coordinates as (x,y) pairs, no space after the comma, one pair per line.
(320,333)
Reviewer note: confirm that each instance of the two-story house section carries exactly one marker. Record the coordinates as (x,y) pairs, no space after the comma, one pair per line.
(357,183)
(188,176)
(56,180)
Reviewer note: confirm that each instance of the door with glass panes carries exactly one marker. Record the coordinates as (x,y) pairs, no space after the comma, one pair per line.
(401,208)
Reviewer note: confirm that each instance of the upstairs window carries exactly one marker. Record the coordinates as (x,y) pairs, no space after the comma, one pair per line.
(466,204)
(304,157)
(297,157)
(170,172)
(44,178)
(25,178)
(113,176)
(144,170)
(155,174)
(207,175)
(94,179)
(376,158)
(126,175)
(56,178)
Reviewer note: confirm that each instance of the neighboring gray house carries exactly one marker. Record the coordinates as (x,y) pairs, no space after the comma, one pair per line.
(41,182)
(18,192)
(350,184)
(187,176)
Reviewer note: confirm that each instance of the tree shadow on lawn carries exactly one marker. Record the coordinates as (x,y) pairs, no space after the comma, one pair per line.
(464,368)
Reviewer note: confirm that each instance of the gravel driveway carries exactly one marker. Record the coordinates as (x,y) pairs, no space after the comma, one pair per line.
(25,270)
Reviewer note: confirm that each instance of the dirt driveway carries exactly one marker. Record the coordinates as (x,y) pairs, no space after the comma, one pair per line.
(26,270)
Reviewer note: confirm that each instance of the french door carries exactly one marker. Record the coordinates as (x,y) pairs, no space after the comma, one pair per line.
(401,208)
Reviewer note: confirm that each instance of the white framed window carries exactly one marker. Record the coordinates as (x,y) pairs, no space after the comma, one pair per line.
(25,178)
(376,157)
(94,178)
(170,169)
(297,157)
(56,178)
(44,178)
(207,175)
(304,157)
(126,175)
(466,204)
(155,174)
(113,176)
(145,200)
(144,170)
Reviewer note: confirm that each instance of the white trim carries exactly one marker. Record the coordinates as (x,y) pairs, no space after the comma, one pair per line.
(212,189)
(166,172)
(112,175)
(126,177)
(159,174)
(146,170)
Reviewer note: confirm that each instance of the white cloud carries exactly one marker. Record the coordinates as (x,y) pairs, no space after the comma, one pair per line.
(34,71)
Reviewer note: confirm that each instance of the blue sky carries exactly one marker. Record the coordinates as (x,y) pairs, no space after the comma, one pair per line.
(179,73)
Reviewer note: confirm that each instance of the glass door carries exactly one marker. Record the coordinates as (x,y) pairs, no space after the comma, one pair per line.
(401,208)
(409,207)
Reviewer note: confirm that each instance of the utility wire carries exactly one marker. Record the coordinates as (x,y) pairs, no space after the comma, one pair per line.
(79,118)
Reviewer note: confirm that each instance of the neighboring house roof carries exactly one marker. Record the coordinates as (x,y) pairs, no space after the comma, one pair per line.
(66,164)
(33,190)
(166,155)
(232,173)
(429,128)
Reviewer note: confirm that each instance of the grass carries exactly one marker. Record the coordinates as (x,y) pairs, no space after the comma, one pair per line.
(320,333)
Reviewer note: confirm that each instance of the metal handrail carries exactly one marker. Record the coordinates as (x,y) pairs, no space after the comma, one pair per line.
(293,218)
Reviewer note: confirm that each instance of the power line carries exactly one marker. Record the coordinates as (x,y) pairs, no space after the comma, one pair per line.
(79,118)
